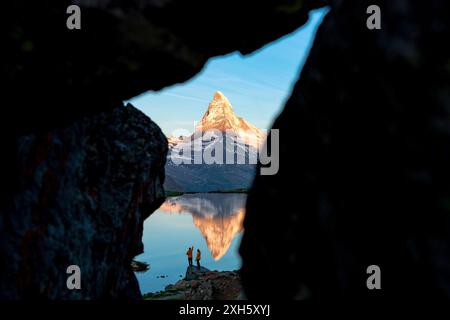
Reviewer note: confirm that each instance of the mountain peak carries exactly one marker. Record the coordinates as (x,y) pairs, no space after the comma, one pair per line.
(218,95)
(220,102)
(220,116)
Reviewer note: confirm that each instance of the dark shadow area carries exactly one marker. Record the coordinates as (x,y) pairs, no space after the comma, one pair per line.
(364,151)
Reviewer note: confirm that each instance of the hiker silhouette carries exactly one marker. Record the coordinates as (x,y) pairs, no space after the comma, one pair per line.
(198,257)
(189,255)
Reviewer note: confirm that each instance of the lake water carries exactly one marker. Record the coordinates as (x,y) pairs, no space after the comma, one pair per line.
(211,222)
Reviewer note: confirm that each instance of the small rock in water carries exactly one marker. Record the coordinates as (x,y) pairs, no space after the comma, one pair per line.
(139,266)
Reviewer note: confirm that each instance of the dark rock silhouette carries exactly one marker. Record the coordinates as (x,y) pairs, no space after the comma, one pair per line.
(369,119)
(84,193)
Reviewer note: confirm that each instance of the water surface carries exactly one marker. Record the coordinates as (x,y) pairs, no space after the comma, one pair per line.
(211,222)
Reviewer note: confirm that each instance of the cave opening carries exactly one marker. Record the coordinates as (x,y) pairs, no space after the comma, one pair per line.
(205,204)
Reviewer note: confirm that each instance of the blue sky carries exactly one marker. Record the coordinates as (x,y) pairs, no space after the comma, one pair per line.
(257,85)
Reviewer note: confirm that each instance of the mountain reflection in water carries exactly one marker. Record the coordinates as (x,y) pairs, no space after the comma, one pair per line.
(211,222)
(219,221)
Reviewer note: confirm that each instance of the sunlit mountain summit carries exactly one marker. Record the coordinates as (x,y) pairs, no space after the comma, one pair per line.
(232,143)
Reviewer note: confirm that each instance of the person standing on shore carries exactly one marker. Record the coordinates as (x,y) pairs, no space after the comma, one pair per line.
(198,257)
(189,255)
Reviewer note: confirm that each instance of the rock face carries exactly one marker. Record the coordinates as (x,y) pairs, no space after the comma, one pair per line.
(370,181)
(84,194)
(206,285)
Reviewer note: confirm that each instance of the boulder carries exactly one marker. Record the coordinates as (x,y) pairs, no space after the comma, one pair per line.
(84,193)
(193,273)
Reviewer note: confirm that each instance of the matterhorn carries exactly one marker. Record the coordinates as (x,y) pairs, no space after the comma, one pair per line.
(218,126)
(220,116)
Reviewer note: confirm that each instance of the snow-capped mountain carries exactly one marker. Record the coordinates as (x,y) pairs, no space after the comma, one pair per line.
(220,116)
(173,141)
(219,130)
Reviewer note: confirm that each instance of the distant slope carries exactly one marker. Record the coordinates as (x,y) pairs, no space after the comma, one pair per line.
(205,178)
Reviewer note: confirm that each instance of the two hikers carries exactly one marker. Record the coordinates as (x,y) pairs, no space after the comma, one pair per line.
(197,257)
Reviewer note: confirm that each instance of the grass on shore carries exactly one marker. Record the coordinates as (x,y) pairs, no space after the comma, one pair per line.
(179,193)
(240,190)
(173,193)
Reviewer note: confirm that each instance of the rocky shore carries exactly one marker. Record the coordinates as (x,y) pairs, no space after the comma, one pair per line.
(202,284)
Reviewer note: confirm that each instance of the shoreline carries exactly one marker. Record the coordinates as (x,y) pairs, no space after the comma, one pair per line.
(170,193)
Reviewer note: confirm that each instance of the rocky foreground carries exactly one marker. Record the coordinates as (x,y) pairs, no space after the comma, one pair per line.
(202,284)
